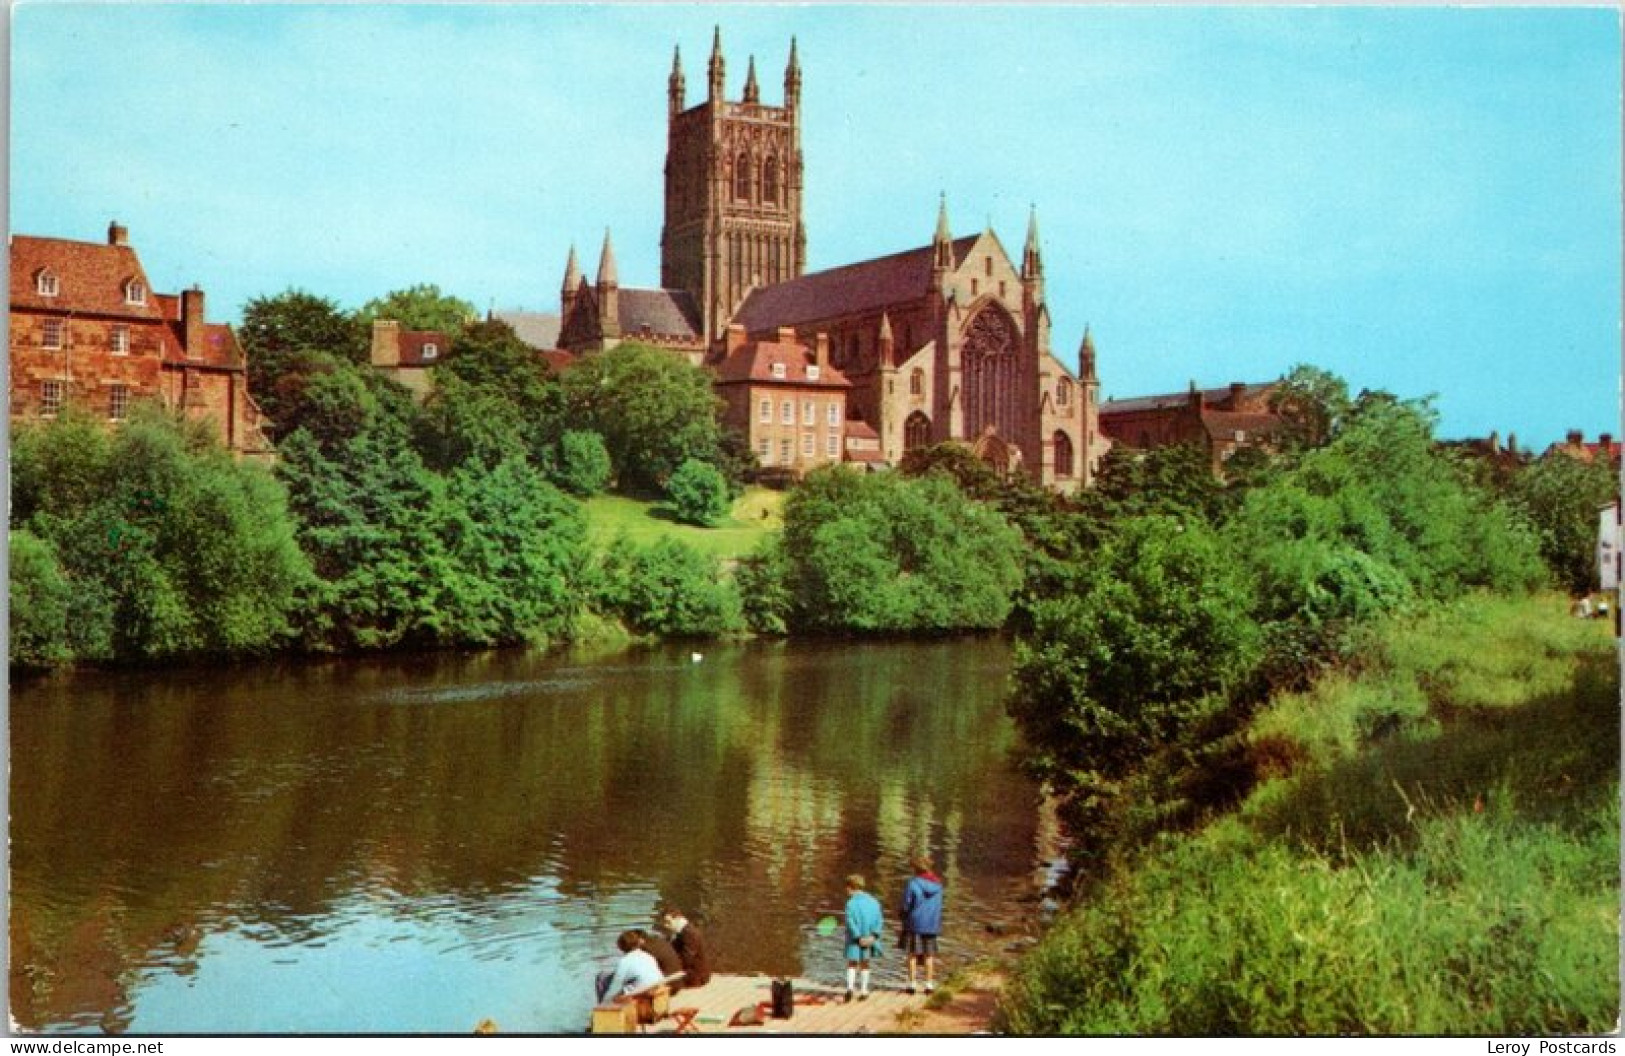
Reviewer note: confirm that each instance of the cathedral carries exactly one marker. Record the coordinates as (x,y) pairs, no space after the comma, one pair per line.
(949,341)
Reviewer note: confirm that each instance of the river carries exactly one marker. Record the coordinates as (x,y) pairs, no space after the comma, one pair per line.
(419,843)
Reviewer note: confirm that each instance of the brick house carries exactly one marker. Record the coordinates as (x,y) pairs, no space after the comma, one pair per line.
(408,356)
(1219,421)
(785,399)
(1575,446)
(88,330)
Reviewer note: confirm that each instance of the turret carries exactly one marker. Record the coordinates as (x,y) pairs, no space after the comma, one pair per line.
(609,308)
(676,87)
(572,285)
(716,70)
(753,92)
(792,79)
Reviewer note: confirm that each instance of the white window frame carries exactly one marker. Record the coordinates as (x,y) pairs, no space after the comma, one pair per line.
(53,334)
(809,412)
(118,402)
(135,292)
(53,395)
(832,445)
(764,451)
(785,451)
(787,412)
(119,342)
(779,370)
(430,350)
(764,413)
(832,414)
(46,283)
(813,372)
(808,446)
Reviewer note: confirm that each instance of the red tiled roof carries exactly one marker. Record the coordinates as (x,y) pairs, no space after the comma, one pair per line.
(858,429)
(754,360)
(558,359)
(91,277)
(864,286)
(413,343)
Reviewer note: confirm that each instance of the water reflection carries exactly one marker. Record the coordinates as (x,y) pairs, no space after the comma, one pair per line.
(418,843)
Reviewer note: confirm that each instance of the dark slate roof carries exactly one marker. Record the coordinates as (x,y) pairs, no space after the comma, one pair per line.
(865,286)
(1172,399)
(536,329)
(90,277)
(668,313)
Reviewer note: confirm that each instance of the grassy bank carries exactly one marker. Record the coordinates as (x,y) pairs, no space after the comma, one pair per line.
(754,516)
(1438,853)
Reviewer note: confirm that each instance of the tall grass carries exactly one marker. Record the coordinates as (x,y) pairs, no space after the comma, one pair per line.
(1438,855)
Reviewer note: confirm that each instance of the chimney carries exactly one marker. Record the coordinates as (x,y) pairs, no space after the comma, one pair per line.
(386,343)
(735,339)
(1237,391)
(821,351)
(1576,437)
(1495,442)
(117,234)
(1606,443)
(1194,398)
(192,322)
(787,335)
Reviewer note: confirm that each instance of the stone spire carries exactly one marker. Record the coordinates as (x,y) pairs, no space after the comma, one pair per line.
(606,263)
(753,92)
(1032,262)
(716,69)
(572,273)
(792,79)
(1086,357)
(609,294)
(886,342)
(677,87)
(942,243)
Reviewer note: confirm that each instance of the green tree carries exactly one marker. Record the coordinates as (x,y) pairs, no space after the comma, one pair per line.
(420,307)
(1157,633)
(41,601)
(583,465)
(1314,404)
(698,493)
(289,336)
(889,553)
(1177,480)
(1561,499)
(653,409)
(669,588)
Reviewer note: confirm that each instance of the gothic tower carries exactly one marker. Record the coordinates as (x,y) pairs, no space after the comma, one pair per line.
(733,191)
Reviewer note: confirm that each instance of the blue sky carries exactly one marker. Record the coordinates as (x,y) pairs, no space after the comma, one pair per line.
(1421,200)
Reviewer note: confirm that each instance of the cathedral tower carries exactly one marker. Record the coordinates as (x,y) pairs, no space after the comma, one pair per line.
(733,191)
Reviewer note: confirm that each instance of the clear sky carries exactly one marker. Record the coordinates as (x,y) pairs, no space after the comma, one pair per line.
(1421,200)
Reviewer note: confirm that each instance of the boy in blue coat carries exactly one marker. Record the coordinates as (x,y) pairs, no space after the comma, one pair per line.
(922,921)
(863,926)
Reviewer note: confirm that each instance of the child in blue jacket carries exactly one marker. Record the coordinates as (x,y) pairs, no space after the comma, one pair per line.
(922,921)
(863,926)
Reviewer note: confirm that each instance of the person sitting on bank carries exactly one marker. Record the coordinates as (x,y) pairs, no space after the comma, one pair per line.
(690,946)
(863,925)
(636,970)
(663,953)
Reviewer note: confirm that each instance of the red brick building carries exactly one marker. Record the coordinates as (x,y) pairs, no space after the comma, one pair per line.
(87,329)
(408,356)
(1576,446)
(1219,421)
(785,399)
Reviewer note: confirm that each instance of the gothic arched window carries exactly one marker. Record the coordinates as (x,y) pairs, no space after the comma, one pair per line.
(916,382)
(770,181)
(916,431)
(992,367)
(742,177)
(1063,454)
(1063,393)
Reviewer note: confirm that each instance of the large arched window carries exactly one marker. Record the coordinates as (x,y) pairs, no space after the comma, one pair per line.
(992,374)
(742,177)
(916,431)
(1062,448)
(770,181)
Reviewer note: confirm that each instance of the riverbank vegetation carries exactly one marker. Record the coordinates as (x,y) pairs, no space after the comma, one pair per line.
(1333,763)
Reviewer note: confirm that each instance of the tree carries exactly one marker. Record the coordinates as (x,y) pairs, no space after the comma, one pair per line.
(583,467)
(1561,498)
(1313,403)
(653,409)
(41,600)
(1158,629)
(698,493)
(668,588)
(420,307)
(1177,480)
(889,553)
(286,338)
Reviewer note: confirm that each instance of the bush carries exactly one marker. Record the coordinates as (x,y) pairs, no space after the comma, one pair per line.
(698,493)
(41,598)
(583,465)
(1561,499)
(669,589)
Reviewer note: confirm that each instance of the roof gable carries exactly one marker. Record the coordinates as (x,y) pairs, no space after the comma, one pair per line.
(91,277)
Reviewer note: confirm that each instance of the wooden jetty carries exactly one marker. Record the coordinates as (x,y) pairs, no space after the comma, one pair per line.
(742,1004)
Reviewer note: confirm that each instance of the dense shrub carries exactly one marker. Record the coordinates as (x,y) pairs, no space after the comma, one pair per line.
(668,588)
(888,553)
(583,466)
(1561,498)
(698,493)
(41,599)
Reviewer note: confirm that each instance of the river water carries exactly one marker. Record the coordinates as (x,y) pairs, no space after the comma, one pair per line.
(415,844)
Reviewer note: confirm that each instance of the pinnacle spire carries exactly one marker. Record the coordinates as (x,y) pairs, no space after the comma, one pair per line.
(716,68)
(606,263)
(572,272)
(885,328)
(942,219)
(1032,261)
(942,242)
(753,93)
(1086,355)
(792,77)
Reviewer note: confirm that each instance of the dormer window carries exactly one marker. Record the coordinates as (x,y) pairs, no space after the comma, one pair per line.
(135,292)
(812,372)
(430,350)
(778,370)
(46,284)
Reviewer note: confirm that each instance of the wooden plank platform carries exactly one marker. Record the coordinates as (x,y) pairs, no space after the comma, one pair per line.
(887,1011)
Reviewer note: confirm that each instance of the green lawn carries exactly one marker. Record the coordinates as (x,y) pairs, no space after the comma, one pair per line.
(754,516)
